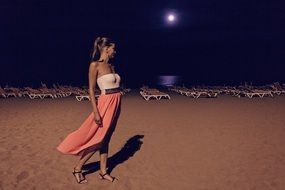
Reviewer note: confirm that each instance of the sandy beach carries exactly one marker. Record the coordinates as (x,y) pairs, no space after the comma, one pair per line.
(223,143)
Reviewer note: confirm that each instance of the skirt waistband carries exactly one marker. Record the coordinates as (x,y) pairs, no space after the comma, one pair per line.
(111,90)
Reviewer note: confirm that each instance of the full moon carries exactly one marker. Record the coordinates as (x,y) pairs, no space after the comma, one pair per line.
(171,18)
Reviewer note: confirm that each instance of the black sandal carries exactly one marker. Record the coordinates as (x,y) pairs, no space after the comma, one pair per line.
(102,177)
(80,180)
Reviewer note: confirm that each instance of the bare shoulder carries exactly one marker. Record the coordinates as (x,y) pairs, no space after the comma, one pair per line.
(94,64)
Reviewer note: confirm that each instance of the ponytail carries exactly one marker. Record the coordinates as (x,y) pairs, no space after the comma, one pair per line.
(95,52)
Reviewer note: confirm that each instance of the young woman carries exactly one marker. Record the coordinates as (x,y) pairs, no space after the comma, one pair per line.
(96,131)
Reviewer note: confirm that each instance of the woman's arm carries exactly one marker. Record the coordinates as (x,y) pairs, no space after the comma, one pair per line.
(93,71)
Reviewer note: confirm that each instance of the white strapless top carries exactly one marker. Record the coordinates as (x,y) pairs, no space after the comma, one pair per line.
(107,81)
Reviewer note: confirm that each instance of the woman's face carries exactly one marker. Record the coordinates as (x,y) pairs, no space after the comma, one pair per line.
(111,51)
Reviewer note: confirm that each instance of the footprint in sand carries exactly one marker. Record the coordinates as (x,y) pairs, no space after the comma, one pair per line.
(23,175)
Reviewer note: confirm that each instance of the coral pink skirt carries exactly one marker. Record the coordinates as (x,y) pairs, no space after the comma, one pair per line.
(91,135)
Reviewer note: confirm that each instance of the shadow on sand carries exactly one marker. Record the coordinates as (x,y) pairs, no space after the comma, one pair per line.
(129,149)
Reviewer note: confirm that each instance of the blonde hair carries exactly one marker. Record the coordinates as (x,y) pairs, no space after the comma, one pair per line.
(99,44)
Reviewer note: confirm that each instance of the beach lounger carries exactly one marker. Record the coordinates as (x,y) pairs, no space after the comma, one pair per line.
(153,94)
(34,93)
(82,97)
(277,88)
(85,97)
(6,94)
(206,94)
(14,90)
(83,94)
(2,93)
(250,93)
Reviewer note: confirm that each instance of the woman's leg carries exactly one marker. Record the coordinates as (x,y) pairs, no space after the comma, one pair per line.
(103,157)
(103,161)
(104,151)
(87,154)
(84,158)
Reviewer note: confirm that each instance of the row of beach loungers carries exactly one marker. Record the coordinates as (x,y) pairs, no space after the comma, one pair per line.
(196,92)
(240,91)
(32,93)
(58,91)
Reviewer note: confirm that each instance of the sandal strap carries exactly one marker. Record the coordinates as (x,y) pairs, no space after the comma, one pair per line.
(80,179)
(103,174)
(74,171)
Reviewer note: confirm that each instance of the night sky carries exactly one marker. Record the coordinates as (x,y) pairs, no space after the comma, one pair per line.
(212,43)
